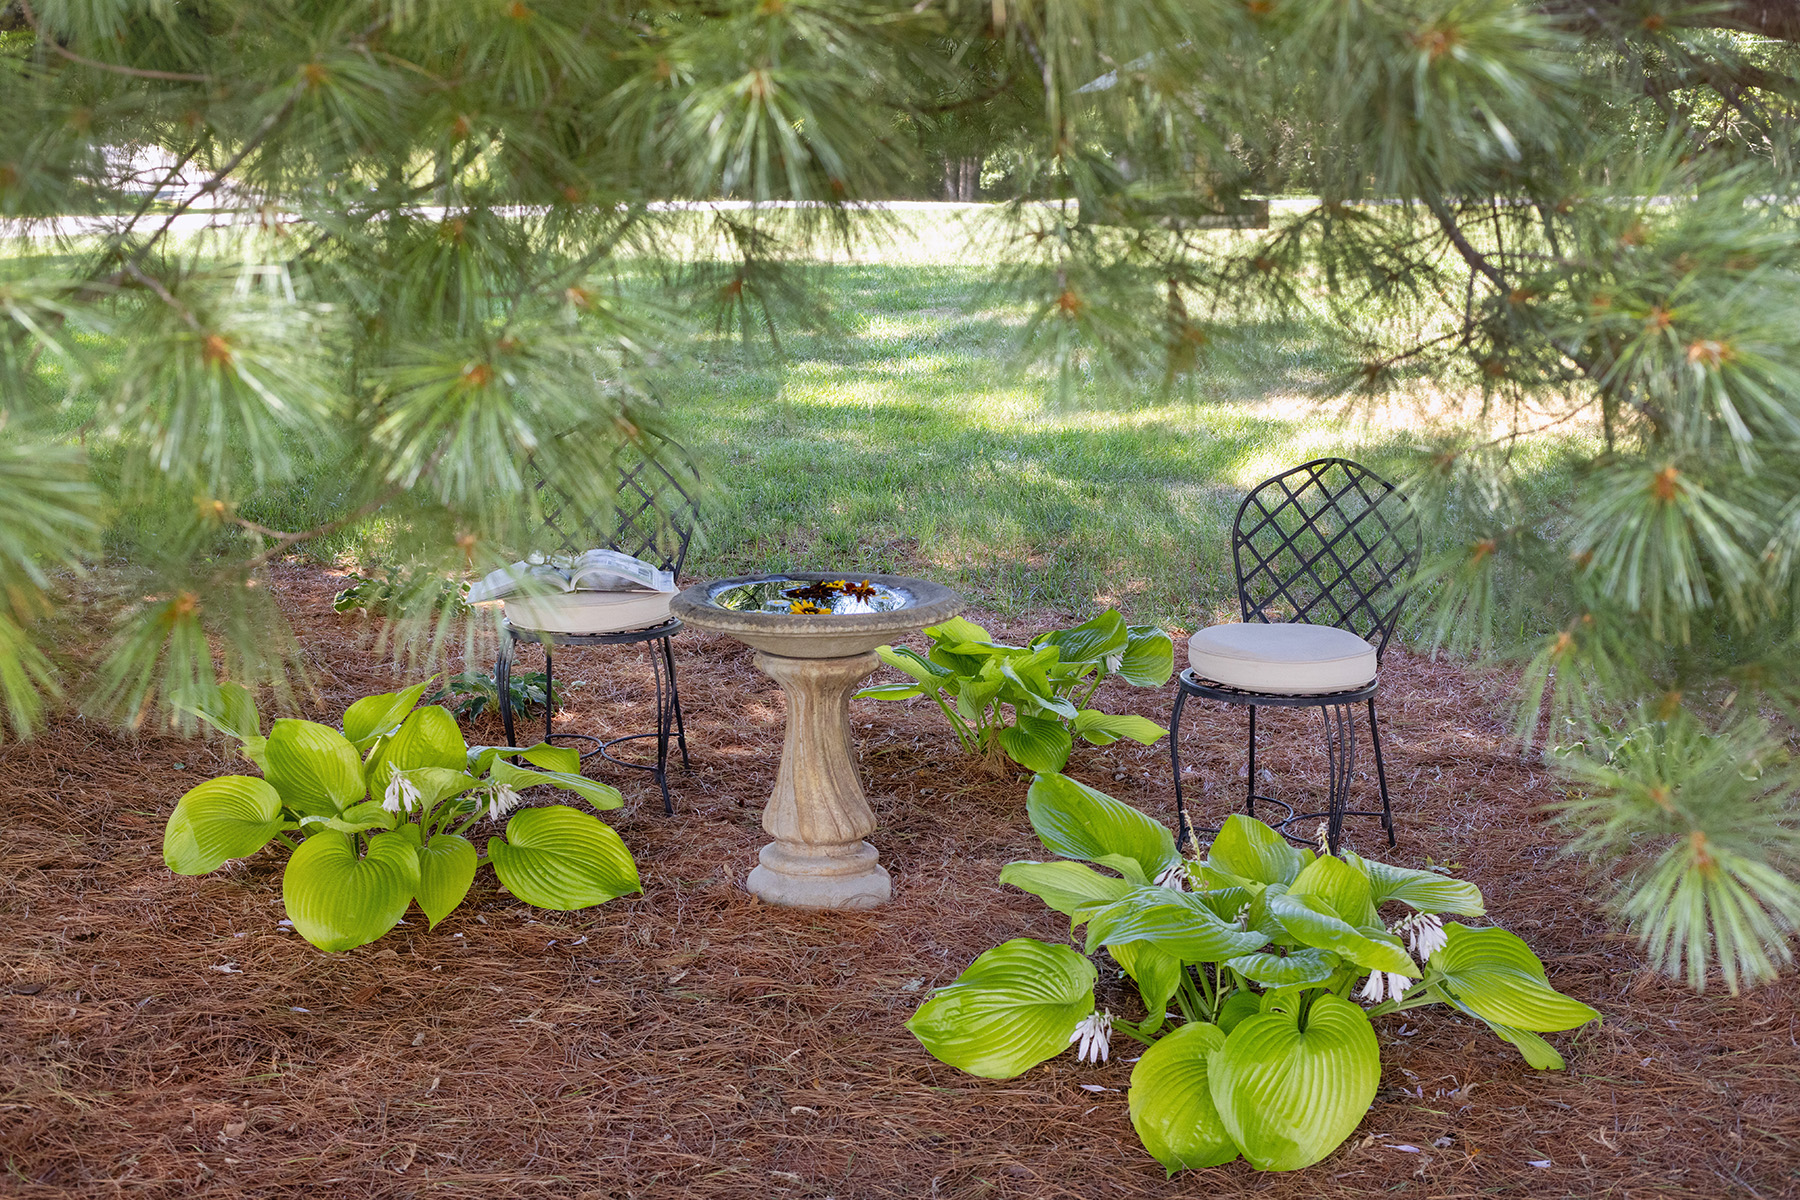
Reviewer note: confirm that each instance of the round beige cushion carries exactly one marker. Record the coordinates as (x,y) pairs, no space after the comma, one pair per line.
(1283,660)
(588,612)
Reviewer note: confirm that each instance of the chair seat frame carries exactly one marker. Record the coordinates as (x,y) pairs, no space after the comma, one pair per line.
(1361,589)
(668,695)
(653,517)
(1338,710)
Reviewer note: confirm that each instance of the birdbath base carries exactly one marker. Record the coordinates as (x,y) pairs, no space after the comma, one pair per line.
(816,637)
(818,814)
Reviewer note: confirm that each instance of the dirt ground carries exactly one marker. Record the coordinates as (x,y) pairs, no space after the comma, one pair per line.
(162,1036)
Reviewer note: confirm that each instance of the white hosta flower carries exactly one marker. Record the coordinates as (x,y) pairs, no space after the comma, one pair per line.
(1174,878)
(1243,916)
(402,794)
(501,801)
(1384,985)
(1095,1035)
(1424,933)
(1374,990)
(1323,837)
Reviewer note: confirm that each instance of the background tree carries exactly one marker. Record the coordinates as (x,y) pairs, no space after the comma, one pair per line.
(1583,213)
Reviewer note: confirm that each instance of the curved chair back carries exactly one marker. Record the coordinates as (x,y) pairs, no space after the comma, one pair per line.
(653,511)
(1327,543)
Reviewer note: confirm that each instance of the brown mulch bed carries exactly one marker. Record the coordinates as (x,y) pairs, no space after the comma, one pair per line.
(162,1036)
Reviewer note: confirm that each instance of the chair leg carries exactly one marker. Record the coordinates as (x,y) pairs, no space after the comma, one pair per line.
(675,695)
(664,726)
(1185,843)
(503,683)
(1340,754)
(1250,787)
(549,691)
(1387,811)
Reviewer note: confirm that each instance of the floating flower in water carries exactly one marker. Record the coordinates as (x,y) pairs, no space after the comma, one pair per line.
(1095,1035)
(830,596)
(1424,933)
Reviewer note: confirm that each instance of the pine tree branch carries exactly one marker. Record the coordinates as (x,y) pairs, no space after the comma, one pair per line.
(1778,19)
(30,19)
(211,185)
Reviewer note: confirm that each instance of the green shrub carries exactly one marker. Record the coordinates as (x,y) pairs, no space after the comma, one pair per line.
(1272,1060)
(384,808)
(475,692)
(976,680)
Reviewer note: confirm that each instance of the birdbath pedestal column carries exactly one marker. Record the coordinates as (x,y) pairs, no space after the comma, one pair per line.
(817,813)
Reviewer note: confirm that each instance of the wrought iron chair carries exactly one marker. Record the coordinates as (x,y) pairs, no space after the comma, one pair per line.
(652,517)
(1323,555)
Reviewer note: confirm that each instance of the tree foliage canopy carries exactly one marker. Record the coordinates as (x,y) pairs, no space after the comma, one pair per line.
(1583,212)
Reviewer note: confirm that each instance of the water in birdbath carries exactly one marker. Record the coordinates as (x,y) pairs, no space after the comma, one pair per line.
(811,597)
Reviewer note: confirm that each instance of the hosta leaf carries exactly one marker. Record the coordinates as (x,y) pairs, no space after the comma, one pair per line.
(1103,729)
(1494,974)
(1016,1006)
(1064,886)
(1426,891)
(1157,974)
(1076,821)
(598,794)
(551,758)
(373,716)
(1090,641)
(1238,1007)
(1037,743)
(427,738)
(314,767)
(1149,657)
(1031,690)
(446,871)
(955,631)
(1368,946)
(225,818)
(1335,886)
(1250,851)
(559,858)
(564,760)
(1172,1107)
(1536,1051)
(890,691)
(437,783)
(1178,923)
(1289,1095)
(1302,967)
(926,672)
(338,901)
(355,819)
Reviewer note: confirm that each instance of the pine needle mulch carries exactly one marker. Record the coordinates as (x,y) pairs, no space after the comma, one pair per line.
(165,1037)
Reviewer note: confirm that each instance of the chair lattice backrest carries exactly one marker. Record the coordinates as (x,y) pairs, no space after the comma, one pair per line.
(652,513)
(1327,543)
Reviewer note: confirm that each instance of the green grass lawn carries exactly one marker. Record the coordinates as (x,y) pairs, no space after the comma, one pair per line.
(911,438)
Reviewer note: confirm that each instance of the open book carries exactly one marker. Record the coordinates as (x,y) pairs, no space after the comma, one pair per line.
(591,571)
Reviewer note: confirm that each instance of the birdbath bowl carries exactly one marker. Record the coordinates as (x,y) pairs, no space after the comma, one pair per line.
(817,814)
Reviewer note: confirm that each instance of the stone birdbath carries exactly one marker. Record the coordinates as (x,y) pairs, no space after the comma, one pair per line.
(817,814)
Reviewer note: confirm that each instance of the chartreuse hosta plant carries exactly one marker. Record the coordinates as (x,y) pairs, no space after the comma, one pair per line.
(1045,686)
(1276,961)
(384,809)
